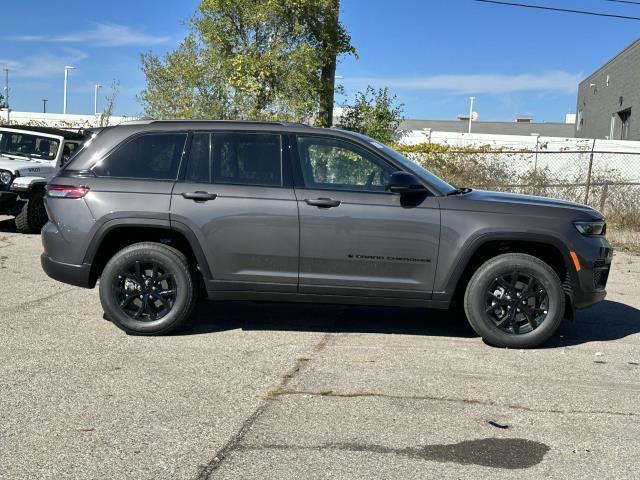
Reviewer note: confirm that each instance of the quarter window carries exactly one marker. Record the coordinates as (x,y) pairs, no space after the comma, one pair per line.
(329,163)
(151,156)
(247,159)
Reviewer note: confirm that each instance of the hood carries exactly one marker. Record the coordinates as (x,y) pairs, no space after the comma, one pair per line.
(24,166)
(505,199)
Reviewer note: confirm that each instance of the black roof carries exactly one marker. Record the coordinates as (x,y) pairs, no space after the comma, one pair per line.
(67,134)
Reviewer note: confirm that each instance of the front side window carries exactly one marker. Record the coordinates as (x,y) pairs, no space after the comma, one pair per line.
(154,156)
(333,164)
(247,159)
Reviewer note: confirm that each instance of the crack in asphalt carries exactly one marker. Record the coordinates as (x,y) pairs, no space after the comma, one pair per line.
(234,442)
(487,452)
(5,242)
(470,401)
(37,301)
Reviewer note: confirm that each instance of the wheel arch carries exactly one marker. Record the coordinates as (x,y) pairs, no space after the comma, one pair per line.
(478,250)
(117,234)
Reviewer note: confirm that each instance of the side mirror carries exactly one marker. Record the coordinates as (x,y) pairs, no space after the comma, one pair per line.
(404,182)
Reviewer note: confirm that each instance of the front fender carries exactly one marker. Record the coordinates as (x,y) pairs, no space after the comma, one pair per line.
(452,265)
(26,184)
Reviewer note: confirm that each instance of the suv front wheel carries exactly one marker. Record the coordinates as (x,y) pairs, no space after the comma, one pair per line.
(31,215)
(515,300)
(147,289)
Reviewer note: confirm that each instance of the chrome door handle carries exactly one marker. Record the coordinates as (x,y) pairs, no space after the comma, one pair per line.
(200,196)
(323,202)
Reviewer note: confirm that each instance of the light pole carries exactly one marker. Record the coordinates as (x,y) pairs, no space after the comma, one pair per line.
(44,105)
(95,99)
(471,112)
(66,78)
(6,92)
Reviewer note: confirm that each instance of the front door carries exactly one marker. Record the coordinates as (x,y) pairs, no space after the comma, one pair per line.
(233,197)
(356,238)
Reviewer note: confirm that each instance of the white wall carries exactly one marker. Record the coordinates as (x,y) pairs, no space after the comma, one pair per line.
(610,153)
(59,119)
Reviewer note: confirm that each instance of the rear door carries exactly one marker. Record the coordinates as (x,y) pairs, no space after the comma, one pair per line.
(356,238)
(236,197)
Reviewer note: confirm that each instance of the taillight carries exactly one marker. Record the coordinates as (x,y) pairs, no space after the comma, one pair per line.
(66,191)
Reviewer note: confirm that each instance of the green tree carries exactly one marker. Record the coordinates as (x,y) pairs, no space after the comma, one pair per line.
(105,116)
(248,59)
(374,113)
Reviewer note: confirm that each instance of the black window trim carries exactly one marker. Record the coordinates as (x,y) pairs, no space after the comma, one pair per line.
(184,164)
(299,177)
(285,160)
(141,134)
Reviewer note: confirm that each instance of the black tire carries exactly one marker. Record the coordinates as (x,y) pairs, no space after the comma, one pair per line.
(152,278)
(501,316)
(31,215)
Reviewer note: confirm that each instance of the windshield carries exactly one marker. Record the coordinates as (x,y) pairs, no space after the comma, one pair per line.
(28,145)
(415,168)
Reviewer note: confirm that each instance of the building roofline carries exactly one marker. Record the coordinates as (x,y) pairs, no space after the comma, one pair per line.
(612,59)
(475,122)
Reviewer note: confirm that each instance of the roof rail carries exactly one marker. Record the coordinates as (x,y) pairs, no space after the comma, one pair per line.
(246,122)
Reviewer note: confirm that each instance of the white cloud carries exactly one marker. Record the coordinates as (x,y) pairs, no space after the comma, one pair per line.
(557,81)
(102,35)
(42,65)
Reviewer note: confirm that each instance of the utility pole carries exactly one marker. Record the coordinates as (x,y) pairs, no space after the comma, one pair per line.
(44,105)
(471,112)
(6,92)
(66,78)
(95,99)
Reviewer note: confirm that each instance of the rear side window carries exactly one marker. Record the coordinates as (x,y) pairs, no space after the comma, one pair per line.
(247,159)
(199,164)
(153,156)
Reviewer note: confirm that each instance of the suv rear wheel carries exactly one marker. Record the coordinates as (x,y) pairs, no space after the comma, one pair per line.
(147,289)
(514,300)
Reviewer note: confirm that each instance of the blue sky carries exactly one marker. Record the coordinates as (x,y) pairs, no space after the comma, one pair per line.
(433,54)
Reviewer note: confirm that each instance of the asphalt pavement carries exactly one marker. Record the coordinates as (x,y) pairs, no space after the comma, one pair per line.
(248,390)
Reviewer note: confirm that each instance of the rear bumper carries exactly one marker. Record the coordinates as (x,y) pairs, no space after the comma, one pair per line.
(78,275)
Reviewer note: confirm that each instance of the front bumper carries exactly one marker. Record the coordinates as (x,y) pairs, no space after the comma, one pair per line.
(77,275)
(589,284)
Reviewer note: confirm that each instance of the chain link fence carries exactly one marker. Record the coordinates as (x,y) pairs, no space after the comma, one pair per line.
(606,181)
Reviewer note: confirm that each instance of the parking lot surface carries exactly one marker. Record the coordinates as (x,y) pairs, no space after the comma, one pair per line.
(249,390)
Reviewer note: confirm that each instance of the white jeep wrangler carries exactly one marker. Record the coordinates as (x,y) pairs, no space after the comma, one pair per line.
(29,157)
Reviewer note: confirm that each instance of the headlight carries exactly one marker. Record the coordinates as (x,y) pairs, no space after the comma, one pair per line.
(591,228)
(5,178)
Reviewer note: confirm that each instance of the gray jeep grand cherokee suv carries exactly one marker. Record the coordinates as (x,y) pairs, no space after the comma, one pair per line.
(166,211)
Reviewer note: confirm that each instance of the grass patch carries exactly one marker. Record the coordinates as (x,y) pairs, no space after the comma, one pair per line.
(624,240)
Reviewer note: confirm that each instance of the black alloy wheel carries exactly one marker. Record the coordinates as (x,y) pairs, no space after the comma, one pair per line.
(517,303)
(148,289)
(145,291)
(515,300)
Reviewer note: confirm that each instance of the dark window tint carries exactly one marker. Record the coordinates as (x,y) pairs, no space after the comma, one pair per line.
(329,163)
(247,159)
(198,166)
(152,156)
